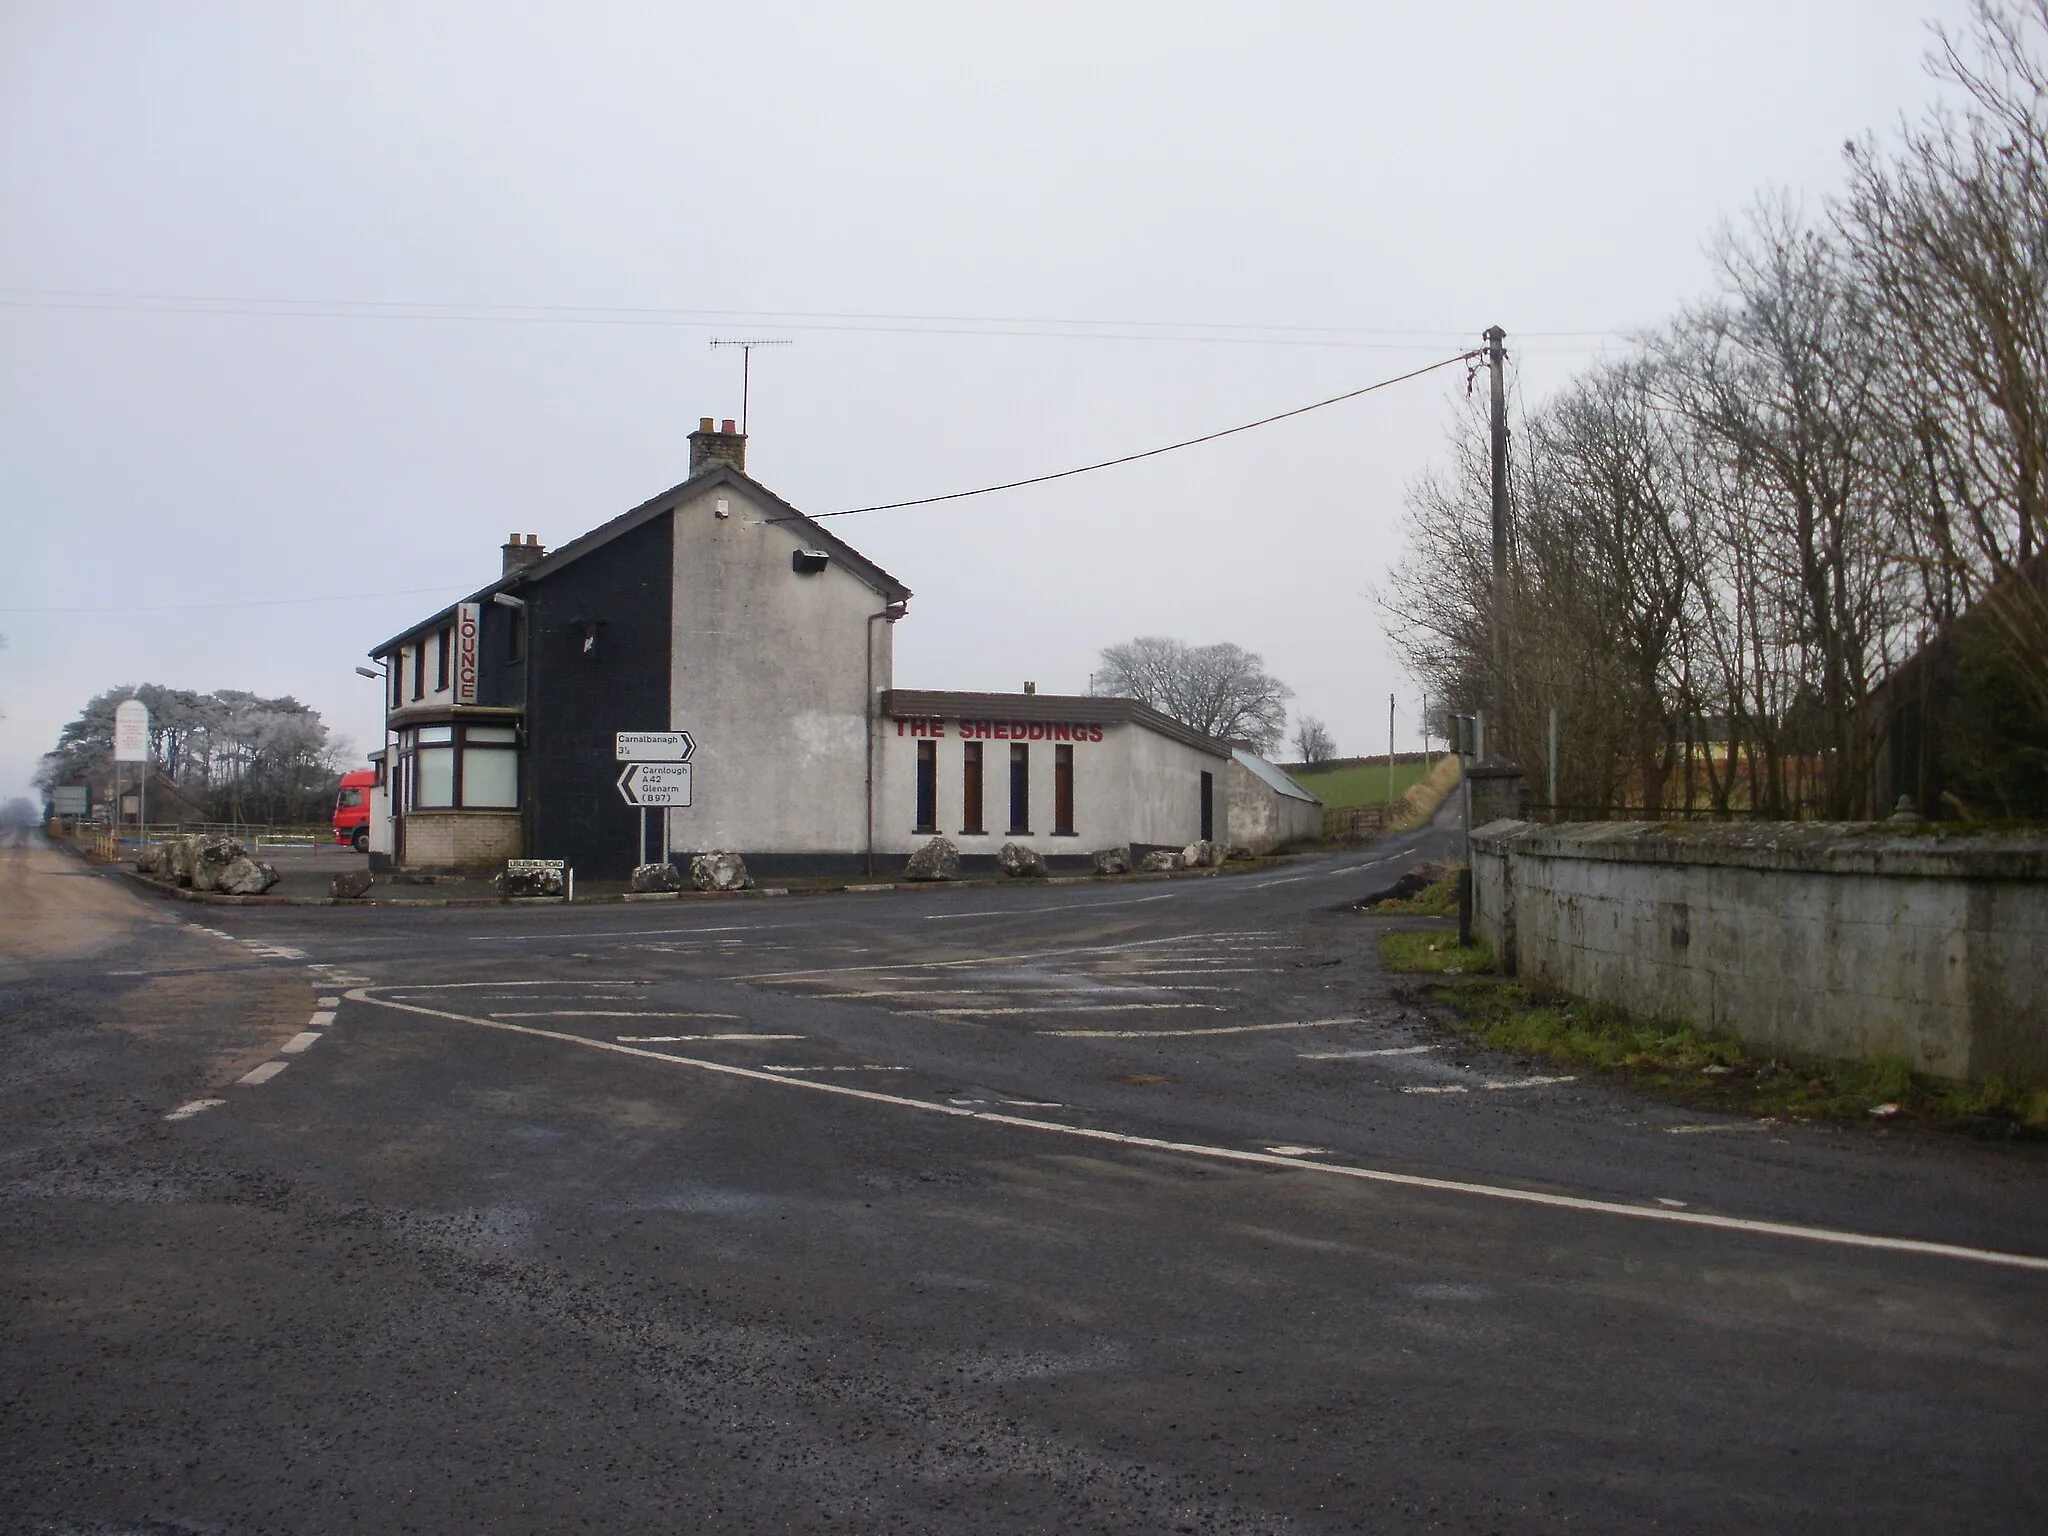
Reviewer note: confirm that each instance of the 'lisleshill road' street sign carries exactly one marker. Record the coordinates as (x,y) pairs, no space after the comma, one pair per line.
(649,785)
(654,747)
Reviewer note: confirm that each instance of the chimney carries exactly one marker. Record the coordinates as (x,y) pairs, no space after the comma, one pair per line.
(522,550)
(724,445)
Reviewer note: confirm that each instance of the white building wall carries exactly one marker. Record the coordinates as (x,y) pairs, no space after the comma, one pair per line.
(1133,786)
(771,676)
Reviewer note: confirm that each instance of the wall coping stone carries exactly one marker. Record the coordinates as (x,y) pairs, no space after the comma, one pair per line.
(1822,848)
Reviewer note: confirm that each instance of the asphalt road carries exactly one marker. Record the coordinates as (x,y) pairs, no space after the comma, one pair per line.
(1145,1207)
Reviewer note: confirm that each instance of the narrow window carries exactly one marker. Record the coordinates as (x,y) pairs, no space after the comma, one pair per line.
(394,668)
(1020,787)
(927,787)
(419,670)
(1063,791)
(441,661)
(970,788)
(1208,807)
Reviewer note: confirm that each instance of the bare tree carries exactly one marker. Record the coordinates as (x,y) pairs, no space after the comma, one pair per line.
(1313,742)
(1221,690)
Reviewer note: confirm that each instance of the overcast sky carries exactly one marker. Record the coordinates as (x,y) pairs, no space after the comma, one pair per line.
(1004,240)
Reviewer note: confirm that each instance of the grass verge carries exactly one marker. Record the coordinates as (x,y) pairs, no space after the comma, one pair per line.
(1692,1067)
(1437,895)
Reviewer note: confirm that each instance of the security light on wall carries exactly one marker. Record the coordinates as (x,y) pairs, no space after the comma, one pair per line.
(507,600)
(371,673)
(808,562)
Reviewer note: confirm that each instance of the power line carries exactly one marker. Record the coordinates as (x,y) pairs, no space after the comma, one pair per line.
(1359,337)
(1149,453)
(257,602)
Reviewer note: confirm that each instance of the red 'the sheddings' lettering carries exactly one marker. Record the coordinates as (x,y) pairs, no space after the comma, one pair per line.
(1002,730)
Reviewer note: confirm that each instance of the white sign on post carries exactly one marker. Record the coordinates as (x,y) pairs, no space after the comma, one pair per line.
(654,746)
(652,785)
(131,732)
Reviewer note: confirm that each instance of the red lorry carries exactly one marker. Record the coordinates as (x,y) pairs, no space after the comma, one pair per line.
(352,809)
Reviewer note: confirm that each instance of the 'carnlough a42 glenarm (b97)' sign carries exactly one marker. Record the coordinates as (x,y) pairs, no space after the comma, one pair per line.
(468,622)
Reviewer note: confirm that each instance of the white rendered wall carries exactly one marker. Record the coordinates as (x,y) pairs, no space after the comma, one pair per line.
(1133,786)
(771,677)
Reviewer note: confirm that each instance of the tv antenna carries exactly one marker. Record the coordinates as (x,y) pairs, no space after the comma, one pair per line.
(746,344)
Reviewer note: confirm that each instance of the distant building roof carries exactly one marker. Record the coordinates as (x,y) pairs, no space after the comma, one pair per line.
(1275,780)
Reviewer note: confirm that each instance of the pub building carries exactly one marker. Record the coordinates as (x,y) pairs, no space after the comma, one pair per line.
(718,609)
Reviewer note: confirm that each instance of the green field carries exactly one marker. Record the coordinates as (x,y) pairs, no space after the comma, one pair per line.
(1340,787)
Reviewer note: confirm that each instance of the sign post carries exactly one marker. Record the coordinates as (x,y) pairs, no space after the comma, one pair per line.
(657,775)
(131,745)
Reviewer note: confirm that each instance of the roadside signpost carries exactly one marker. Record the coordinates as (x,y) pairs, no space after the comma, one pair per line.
(657,775)
(131,745)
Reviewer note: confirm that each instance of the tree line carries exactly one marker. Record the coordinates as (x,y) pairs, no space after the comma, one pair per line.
(1726,539)
(232,756)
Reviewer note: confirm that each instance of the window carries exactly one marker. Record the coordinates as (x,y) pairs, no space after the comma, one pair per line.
(419,670)
(1208,807)
(1062,791)
(394,668)
(970,788)
(441,661)
(1020,787)
(348,800)
(927,787)
(459,766)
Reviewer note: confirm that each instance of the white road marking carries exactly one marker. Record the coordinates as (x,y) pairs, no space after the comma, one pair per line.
(1284,1151)
(610,1013)
(819,1069)
(196,1107)
(1225,1029)
(264,1073)
(1081,906)
(1033,1103)
(297,1043)
(1496,1087)
(997,1013)
(1676,1205)
(328,1002)
(321,1019)
(1386,1050)
(618,933)
(1699,1130)
(674,1039)
(1833,1236)
(467,986)
(935,965)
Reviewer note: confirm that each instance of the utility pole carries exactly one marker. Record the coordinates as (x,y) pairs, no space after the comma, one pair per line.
(1497,367)
(1390,749)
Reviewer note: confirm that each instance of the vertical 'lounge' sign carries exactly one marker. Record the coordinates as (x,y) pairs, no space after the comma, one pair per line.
(468,620)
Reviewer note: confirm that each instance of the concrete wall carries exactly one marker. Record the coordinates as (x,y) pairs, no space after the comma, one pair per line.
(771,675)
(1133,786)
(1262,819)
(1849,941)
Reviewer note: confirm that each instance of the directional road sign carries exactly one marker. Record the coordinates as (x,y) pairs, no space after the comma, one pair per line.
(649,785)
(654,747)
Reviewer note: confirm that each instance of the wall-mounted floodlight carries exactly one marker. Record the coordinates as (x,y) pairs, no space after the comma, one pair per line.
(808,562)
(371,673)
(507,600)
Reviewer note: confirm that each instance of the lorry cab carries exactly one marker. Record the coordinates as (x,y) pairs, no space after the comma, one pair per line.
(352,809)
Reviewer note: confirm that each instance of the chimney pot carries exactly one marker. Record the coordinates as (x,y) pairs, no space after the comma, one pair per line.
(704,424)
(728,426)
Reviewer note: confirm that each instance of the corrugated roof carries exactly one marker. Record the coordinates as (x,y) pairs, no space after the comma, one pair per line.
(1274,779)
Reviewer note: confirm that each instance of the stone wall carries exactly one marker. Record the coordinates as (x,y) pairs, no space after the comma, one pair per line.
(461,839)
(1852,941)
